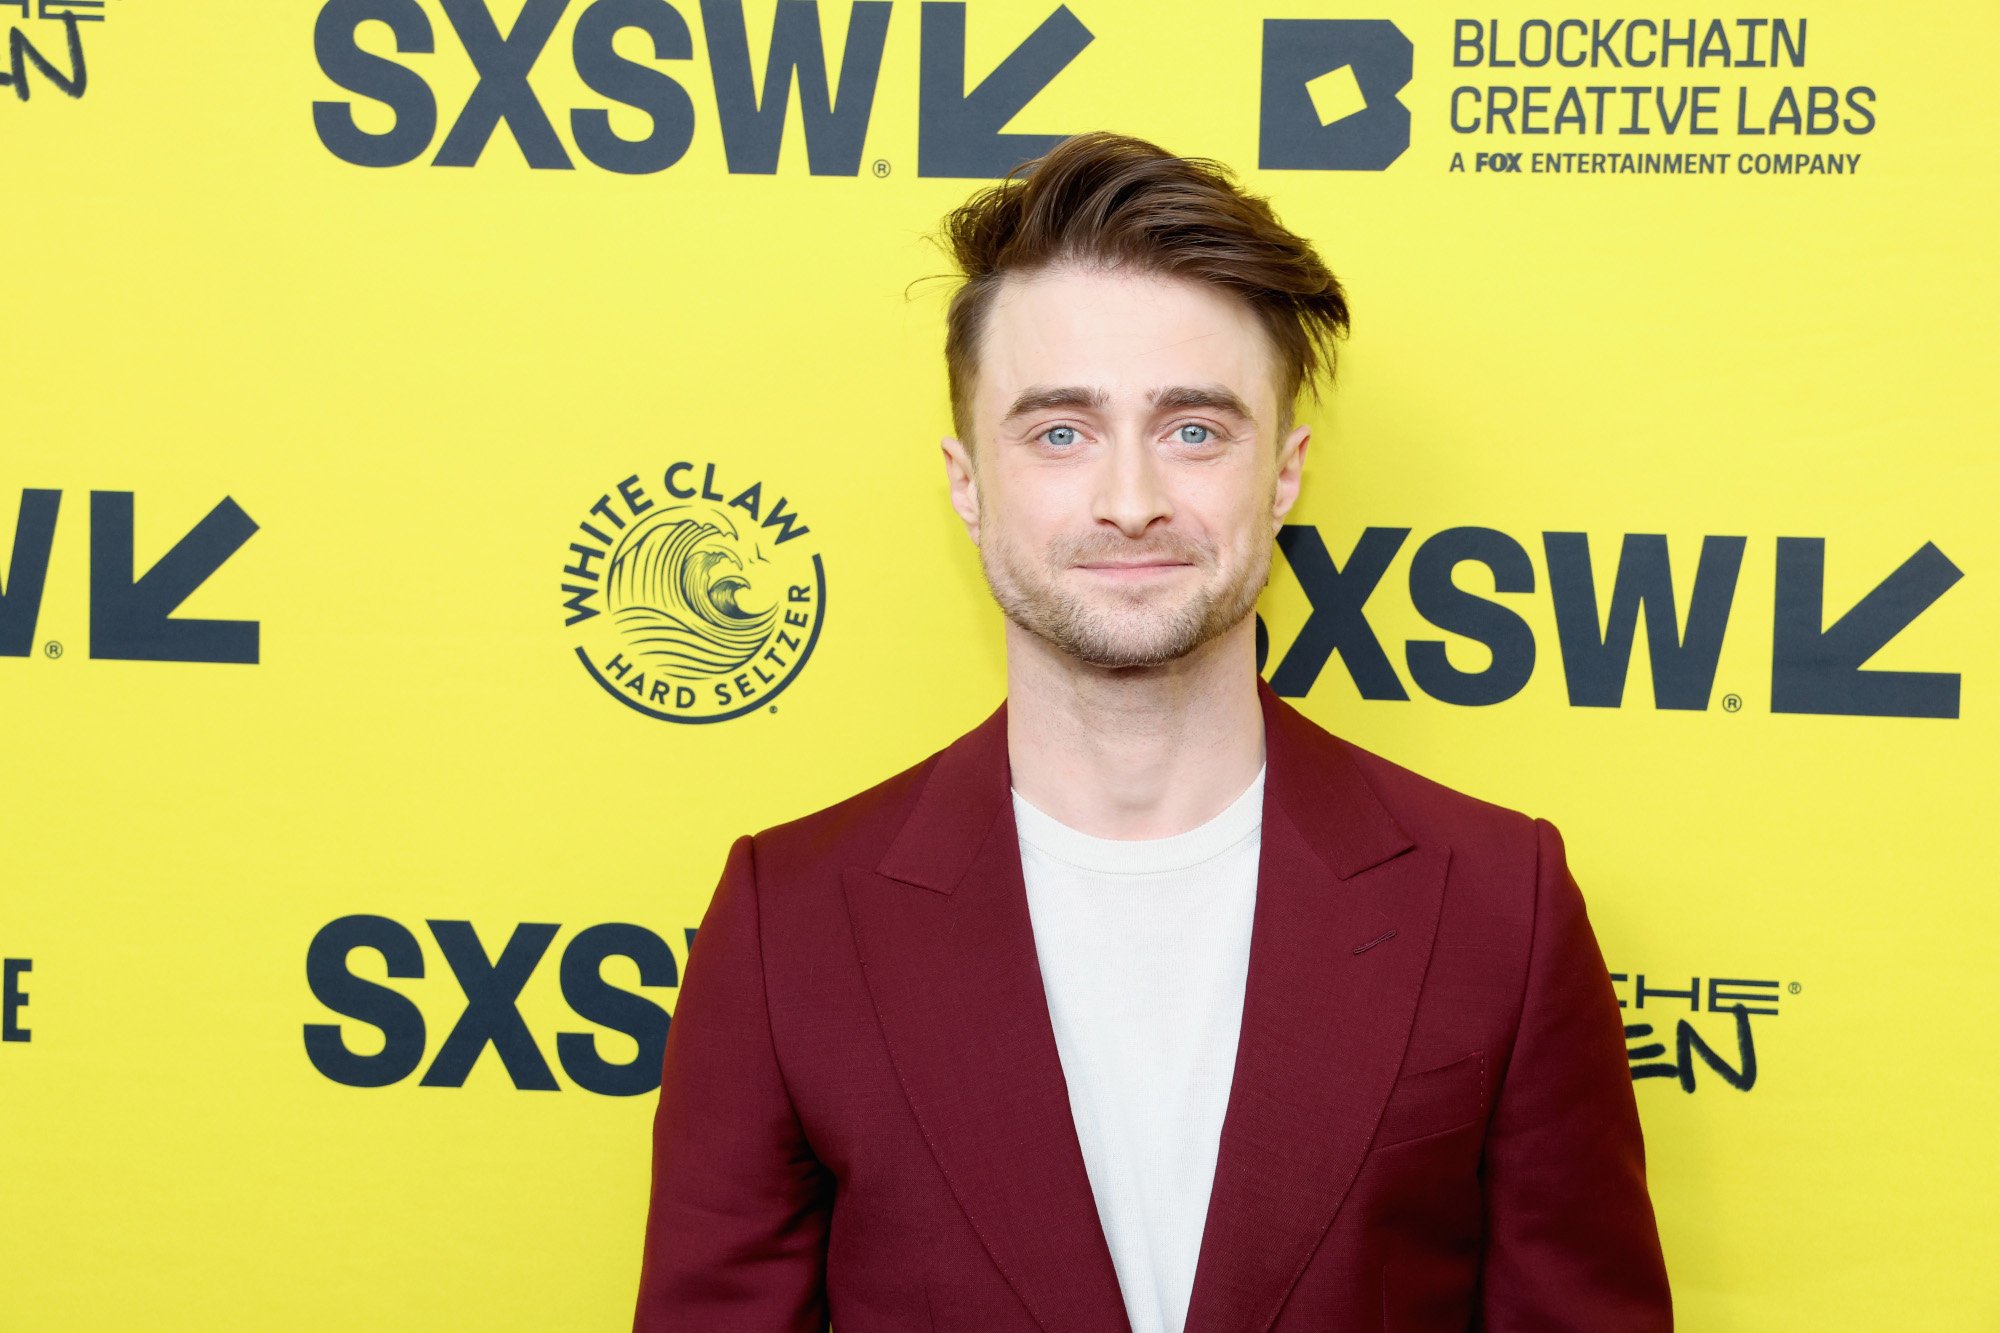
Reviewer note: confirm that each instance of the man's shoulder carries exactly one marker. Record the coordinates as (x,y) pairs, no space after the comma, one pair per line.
(856,830)
(1495,850)
(1431,811)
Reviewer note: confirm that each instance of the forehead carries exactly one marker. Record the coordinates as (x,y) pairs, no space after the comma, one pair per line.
(1126,333)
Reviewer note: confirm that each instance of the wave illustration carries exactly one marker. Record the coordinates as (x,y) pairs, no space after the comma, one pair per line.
(677,581)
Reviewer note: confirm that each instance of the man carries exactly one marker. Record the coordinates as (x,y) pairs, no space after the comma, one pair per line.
(1147,1003)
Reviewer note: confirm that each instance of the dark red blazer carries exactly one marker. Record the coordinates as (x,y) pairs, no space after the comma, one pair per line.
(863,1118)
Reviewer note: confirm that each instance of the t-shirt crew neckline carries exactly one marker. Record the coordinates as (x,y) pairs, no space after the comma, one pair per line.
(1142,856)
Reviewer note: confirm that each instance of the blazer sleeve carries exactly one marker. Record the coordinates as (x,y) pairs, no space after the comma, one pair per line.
(1571,1242)
(736,1228)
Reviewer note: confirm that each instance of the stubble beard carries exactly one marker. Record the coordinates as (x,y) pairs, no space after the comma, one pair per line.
(1112,626)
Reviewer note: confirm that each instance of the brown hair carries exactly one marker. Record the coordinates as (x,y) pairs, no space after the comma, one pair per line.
(1110,199)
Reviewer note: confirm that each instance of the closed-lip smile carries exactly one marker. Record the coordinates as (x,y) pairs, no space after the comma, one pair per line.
(1119,567)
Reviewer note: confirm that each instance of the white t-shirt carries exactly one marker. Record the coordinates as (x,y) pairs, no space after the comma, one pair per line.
(1144,946)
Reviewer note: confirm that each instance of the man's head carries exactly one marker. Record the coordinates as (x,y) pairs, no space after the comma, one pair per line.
(1123,360)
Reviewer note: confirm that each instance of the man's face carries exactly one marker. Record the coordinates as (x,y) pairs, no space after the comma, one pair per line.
(1127,481)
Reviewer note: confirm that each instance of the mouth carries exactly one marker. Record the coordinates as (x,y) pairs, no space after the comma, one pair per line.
(1134,569)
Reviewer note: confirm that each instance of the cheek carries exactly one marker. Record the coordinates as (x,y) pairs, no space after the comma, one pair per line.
(1007,530)
(1228,523)
(1028,516)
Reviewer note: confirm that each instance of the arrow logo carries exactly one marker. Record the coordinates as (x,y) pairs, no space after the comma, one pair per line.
(1815,670)
(131,619)
(958,133)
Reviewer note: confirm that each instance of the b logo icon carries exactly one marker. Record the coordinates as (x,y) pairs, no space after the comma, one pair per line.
(1329,97)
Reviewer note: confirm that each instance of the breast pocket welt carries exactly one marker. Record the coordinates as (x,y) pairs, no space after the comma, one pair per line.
(1432,1101)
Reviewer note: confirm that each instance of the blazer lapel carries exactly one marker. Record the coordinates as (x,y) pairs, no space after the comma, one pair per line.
(947,948)
(1325,1022)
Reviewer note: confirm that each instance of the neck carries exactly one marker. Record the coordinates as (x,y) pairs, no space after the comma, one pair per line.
(1134,752)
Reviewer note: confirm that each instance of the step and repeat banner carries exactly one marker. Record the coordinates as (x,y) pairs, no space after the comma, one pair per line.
(361,796)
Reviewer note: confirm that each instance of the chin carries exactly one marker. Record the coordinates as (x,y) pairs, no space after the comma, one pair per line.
(1133,650)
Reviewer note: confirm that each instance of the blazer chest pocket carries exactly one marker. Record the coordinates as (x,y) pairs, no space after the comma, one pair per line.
(1432,1101)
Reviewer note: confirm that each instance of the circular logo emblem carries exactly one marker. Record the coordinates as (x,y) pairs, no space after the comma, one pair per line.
(696,601)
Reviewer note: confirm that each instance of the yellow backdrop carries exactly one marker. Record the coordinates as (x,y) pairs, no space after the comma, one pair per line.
(335,329)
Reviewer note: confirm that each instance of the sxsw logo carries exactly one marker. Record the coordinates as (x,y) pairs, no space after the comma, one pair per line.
(131,615)
(394,1040)
(1818,653)
(959,129)
(1329,95)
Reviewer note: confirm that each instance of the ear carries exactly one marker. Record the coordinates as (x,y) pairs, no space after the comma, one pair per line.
(964,481)
(1291,470)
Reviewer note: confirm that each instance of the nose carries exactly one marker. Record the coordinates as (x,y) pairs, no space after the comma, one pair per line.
(1131,488)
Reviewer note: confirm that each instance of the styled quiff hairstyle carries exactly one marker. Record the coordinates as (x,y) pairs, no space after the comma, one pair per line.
(1110,200)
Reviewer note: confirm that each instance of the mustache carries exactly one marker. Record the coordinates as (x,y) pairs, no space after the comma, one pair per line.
(1082,551)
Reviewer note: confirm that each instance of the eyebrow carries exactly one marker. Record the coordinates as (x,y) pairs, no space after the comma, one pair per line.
(1173,398)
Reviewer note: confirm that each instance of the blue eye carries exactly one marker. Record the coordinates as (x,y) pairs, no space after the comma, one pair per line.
(1196,425)
(1047,434)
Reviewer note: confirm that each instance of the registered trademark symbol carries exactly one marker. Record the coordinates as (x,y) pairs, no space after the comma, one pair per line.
(1794,988)
(881,167)
(52,649)
(1732,703)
